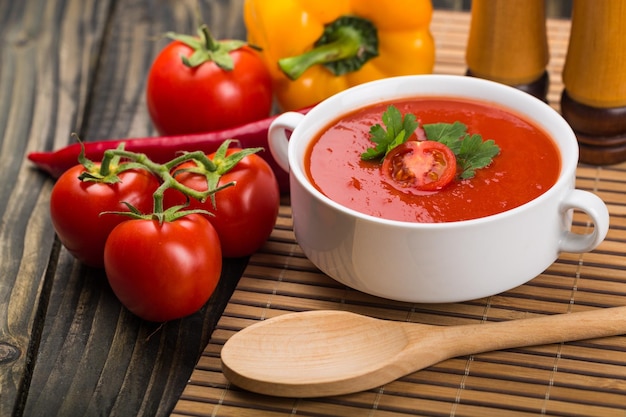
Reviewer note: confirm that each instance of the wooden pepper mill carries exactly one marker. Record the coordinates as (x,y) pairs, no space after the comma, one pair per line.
(594,99)
(508,44)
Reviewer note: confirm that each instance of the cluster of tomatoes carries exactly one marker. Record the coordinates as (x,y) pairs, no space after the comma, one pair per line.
(163,255)
(162,250)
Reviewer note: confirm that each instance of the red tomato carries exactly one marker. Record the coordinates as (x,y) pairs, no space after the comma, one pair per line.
(75,208)
(182,99)
(420,165)
(245,213)
(165,271)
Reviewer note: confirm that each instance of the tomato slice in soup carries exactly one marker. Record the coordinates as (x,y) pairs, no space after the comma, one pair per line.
(419,165)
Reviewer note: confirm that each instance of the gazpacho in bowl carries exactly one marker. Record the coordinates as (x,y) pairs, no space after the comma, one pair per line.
(523,161)
(419,222)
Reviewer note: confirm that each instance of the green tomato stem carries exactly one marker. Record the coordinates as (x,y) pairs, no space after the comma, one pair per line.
(207,49)
(163,171)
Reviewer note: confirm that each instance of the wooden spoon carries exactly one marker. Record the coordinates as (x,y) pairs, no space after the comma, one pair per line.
(322,353)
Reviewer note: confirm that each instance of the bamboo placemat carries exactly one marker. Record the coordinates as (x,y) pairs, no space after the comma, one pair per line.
(585,378)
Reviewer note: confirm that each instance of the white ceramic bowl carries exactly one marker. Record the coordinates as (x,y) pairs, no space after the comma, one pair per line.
(405,261)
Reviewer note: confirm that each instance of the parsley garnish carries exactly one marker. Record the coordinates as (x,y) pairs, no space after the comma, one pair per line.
(471,151)
(399,129)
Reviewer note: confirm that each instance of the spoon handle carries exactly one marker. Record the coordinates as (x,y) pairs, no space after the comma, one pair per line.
(470,339)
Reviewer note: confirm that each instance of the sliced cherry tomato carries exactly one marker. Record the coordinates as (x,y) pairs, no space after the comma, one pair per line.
(76,207)
(163,271)
(420,166)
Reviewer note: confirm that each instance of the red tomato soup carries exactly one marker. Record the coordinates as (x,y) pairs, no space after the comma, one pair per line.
(528,164)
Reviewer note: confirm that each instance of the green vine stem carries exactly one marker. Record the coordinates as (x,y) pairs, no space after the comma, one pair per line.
(116,161)
(163,171)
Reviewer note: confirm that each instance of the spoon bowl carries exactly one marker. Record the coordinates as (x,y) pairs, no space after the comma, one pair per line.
(327,352)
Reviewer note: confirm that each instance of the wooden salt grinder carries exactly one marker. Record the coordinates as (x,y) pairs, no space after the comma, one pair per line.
(594,99)
(508,44)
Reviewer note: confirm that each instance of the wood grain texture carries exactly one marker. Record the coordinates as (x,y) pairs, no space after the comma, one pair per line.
(39,102)
(507,40)
(599,37)
(67,347)
(330,352)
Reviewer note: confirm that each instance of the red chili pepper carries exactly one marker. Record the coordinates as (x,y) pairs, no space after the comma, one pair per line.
(163,148)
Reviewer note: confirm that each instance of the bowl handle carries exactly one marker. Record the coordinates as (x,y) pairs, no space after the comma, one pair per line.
(595,208)
(278,138)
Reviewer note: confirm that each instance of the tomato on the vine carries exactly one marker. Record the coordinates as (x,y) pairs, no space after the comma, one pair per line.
(76,207)
(244,213)
(420,165)
(198,84)
(165,270)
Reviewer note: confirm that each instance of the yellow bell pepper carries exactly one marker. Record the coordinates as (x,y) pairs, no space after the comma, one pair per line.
(316,48)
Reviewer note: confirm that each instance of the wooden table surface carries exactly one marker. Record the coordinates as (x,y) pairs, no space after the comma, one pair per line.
(67,347)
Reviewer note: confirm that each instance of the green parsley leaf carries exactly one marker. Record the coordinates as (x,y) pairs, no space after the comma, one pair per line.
(471,151)
(475,154)
(399,129)
(446,133)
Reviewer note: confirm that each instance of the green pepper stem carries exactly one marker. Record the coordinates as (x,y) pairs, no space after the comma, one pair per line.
(345,46)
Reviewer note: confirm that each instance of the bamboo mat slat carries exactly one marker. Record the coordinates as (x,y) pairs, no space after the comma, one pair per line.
(586,378)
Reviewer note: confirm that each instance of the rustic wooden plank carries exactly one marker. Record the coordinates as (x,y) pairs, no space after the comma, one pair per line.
(45,68)
(94,356)
(67,347)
